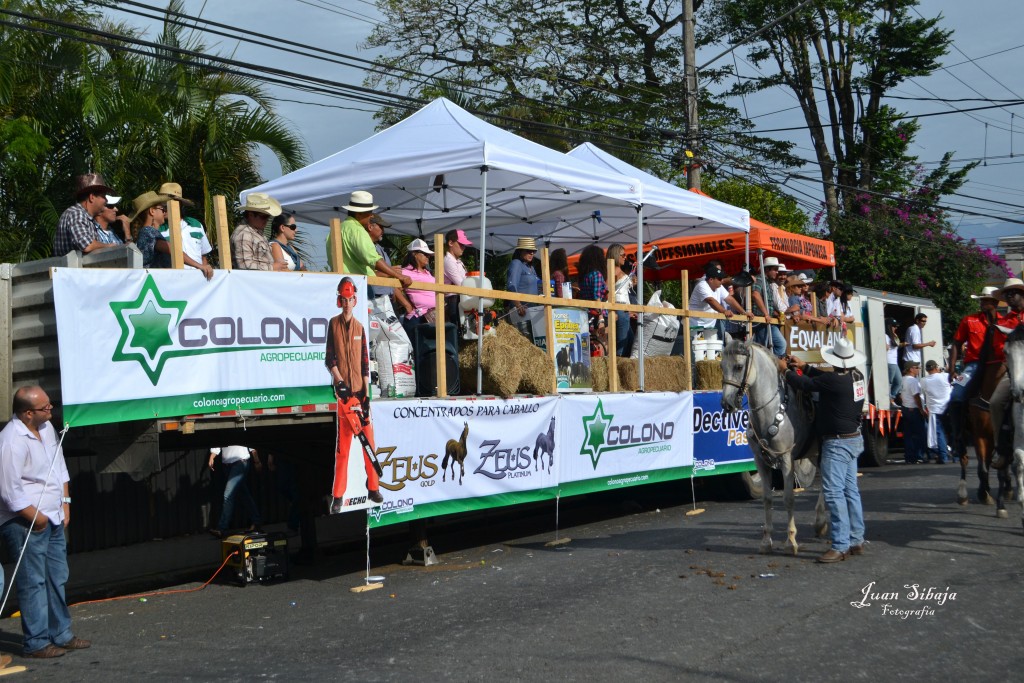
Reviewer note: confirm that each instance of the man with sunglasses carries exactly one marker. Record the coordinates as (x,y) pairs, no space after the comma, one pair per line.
(35,509)
(113,226)
(77,229)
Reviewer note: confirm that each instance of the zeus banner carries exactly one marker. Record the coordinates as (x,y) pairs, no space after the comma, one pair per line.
(614,440)
(442,456)
(138,344)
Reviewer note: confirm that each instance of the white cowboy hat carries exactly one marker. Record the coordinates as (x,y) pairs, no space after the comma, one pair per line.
(986,292)
(783,268)
(771,262)
(1011,283)
(842,354)
(419,245)
(259,202)
(361,201)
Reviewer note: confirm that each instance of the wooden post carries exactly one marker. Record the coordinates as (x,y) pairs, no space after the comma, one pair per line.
(687,352)
(173,217)
(440,356)
(220,215)
(613,365)
(545,276)
(336,253)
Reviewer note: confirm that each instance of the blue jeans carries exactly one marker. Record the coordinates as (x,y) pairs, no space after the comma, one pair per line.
(940,450)
(914,435)
(839,484)
(623,334)
(778,341)
(237,487)
(895,381)
(41,579)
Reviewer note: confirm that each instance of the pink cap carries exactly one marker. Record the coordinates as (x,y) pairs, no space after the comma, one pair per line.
(462,239)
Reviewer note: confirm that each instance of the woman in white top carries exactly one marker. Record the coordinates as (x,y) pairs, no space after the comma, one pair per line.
(283,231)
(892,348)
(623,287)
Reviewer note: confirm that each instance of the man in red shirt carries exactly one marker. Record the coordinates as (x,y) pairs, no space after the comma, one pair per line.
(971,336)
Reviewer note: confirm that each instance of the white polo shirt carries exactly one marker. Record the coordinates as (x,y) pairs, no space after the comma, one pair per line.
(230,454)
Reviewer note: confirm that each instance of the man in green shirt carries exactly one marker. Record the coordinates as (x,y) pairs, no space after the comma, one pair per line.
(359,255)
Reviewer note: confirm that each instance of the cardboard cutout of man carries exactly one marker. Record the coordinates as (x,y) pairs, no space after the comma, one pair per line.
(348,361)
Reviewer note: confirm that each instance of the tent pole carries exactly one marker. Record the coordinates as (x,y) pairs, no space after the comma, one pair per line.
(483,274)
(640,290)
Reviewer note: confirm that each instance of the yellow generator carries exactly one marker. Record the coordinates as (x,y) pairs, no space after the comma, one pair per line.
(260,557)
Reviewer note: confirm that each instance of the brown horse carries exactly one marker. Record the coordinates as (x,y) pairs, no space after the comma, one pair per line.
(979,424)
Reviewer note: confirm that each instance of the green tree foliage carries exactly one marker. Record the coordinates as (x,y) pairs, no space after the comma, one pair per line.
(764,202)
(609,68)
(68,106)
(840,58)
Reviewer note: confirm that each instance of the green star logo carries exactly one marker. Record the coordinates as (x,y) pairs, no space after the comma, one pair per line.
(146,326)
(594,428)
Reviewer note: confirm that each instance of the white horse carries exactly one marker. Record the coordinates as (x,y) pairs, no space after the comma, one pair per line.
(780,428)
(1015,369)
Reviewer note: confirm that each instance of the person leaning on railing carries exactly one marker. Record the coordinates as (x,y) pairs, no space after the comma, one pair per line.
(522,277)
(594,288)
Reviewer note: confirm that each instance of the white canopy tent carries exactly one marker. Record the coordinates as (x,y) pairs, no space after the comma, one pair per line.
(442,165)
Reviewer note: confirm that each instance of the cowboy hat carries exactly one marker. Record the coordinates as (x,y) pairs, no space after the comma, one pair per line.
(259,202)
(361,201)
(146,201)
(173,191)
(1011,283)
(526,244)
(986,292)
(794,279)
(772,262)
(842,354)
(91,183)
(419,245)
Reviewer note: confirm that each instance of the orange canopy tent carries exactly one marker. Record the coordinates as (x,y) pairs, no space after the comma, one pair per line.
(798,252)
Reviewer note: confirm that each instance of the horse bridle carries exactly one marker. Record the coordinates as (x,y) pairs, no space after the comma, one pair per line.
(744,385)
(772,457)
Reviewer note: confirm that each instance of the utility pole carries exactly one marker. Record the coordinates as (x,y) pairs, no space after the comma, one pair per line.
(690,80)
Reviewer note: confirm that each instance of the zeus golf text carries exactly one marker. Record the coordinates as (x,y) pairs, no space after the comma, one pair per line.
(735,424)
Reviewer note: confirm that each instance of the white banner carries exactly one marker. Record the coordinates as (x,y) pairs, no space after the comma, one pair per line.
(609,435)
(138,344)
(442,456)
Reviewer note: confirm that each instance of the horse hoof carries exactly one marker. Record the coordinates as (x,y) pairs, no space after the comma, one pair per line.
(986,499)
(765,550)
(962,501)
(1002,514)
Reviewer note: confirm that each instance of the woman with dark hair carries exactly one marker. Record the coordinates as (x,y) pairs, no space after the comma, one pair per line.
(282,232)
(522,277)
(455,243)
(624,294)
(424,302)
(845,313)
(594,288)
(558,263)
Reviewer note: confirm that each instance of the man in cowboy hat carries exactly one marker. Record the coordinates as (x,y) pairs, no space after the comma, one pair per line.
(1012,292)
(358,254)
(837,421)
(970,336)
(194,242)
(76,230)
(250,249)
(765,299)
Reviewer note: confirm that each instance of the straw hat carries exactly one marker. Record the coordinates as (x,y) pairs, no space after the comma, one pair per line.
(419,245)
(986,292)
(360,201)
(173,191)
(772,262)
(146,201)
(842,354)
(527,244)
(1011,283)
(260,202)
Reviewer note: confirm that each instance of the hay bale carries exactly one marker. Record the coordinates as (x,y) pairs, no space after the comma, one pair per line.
(709,374)
(665,373)
(599,373)
(511,365)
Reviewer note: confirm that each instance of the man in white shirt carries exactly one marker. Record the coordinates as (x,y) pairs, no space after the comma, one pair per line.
(914,340)
(236,467)
(35,510)
(935,389)
(194,242)
(913,415)
(706,299)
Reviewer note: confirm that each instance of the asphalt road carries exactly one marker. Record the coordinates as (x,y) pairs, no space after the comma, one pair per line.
(642,592)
